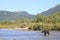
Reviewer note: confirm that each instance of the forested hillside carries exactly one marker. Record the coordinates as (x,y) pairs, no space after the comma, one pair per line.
(51,22)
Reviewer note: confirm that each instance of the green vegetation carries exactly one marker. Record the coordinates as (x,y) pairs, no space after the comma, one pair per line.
(51,22)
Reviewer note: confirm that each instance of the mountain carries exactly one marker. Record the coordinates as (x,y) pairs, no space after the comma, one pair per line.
(7,15)
(52,10)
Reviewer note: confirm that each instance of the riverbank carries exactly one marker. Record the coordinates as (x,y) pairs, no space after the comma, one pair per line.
(27,30)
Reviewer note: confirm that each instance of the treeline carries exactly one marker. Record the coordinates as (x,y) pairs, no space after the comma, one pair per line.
(51,22)
(40,22)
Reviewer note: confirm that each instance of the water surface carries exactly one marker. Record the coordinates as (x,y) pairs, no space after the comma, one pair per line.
(27,35)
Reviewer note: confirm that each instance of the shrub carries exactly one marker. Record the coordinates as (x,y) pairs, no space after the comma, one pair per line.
(36,27)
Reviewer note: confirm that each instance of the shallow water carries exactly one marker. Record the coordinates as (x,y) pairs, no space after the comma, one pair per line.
(27,35)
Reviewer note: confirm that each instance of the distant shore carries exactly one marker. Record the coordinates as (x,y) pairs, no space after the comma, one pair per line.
(23,30)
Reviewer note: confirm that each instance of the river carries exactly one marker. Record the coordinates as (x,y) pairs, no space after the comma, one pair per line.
(6,34)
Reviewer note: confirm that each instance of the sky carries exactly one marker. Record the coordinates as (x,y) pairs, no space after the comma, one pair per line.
(31,6)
